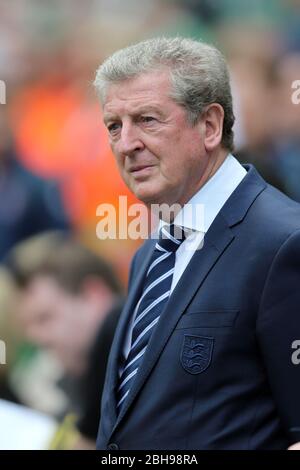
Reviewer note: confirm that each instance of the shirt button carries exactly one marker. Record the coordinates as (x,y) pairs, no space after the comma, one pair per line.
(113,446)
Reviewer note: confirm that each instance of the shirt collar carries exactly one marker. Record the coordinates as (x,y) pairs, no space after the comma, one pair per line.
(201,210)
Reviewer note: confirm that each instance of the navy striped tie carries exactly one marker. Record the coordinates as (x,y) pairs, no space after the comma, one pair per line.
(155,295)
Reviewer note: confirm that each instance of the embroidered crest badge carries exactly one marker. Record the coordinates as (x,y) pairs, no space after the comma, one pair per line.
(196,353)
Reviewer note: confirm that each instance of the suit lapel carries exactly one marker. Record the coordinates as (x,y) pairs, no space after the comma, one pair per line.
(122,328)
(216,241)
(201,263)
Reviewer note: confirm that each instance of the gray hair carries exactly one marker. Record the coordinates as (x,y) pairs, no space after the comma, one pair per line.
(198,73)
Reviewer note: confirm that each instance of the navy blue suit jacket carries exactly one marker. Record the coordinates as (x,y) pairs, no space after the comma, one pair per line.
(218,371)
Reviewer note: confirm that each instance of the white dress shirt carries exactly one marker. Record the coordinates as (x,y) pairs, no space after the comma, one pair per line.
(197,216)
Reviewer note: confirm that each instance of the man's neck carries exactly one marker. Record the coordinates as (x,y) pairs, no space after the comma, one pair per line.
(214,163)
(168,211)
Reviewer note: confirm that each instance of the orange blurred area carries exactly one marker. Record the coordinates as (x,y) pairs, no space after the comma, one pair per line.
(59,134)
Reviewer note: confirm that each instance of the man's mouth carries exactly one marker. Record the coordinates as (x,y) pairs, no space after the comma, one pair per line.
(140,170)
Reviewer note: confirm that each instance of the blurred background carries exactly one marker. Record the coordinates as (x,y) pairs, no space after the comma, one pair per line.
(56,168)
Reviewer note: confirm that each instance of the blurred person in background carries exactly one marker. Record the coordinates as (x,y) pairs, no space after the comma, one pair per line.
(28,203)
(263,66)
(30,375)
(269,120)
(251,51)
(285,118)
(69,304)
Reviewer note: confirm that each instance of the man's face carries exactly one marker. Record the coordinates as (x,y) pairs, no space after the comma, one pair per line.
(55,319)
(161,157)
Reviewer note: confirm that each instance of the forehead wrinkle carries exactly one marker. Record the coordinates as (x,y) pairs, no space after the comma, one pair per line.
(137,97)
(144,108)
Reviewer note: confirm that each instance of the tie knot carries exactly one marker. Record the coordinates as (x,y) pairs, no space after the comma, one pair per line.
(171,237)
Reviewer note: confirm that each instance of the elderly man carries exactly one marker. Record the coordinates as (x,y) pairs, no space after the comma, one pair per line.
(203,354)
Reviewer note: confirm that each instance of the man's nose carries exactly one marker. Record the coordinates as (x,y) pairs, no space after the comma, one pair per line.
(130,140)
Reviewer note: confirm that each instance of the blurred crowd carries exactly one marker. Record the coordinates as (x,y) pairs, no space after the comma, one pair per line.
(60,286)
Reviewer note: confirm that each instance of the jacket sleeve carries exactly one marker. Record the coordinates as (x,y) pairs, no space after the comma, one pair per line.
(278,327)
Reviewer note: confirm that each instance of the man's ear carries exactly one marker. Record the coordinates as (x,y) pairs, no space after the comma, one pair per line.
(212,120)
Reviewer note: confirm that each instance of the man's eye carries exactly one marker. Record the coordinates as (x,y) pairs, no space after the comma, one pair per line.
(113,127)
(148,118)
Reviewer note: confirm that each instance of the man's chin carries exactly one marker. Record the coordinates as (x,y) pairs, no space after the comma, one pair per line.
(146,193)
